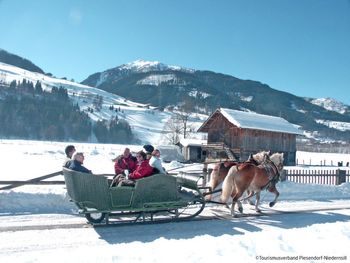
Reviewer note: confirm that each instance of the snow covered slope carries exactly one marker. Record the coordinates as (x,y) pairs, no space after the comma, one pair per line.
(146,122)
(138,66)
(330,104)
(333,105)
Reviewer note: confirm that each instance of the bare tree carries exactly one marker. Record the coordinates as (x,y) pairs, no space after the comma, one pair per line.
(185,111)
(172,131)
(177,127)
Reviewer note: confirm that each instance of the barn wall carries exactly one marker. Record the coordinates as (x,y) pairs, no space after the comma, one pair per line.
(250,141)
(274,141)
(256,140)
(220,130)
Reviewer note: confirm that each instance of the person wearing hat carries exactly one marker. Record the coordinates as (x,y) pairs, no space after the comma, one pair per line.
(148,149)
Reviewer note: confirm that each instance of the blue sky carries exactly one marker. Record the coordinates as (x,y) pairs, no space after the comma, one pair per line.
(301,47)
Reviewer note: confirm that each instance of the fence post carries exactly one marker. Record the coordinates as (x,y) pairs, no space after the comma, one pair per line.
(340,177)
(205,174)
(283,175)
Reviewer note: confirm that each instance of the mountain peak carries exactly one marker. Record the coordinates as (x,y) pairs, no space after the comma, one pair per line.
(141,65)
(330,104)
(135,67)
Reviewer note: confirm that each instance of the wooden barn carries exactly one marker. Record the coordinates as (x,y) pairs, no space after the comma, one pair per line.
(245,133)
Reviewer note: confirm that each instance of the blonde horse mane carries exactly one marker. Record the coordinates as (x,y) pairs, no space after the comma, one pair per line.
(277,159)
(260,156)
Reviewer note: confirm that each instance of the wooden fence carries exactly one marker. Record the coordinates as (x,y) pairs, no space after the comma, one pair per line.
(37,180)
(329,177)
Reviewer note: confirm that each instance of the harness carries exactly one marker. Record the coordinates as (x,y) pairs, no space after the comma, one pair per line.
(272,172)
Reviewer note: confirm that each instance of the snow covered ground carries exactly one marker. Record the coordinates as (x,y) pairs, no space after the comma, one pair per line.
(38,224)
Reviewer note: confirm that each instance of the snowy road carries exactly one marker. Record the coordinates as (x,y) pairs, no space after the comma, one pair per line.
(35,238)
(27,222)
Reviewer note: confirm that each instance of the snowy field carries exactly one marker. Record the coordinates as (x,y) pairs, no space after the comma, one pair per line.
(320,233)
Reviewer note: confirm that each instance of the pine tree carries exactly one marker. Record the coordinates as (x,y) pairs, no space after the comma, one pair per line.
(38,88)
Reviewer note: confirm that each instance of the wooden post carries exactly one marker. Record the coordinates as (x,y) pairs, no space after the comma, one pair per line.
(205,174)
(283,175)
(340,177)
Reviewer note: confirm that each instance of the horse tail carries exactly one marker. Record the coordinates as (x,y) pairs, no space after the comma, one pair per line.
(214,176)
(213,180)
(228,184)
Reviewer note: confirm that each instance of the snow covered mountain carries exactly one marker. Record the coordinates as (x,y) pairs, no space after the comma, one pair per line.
(147,123)
(331,105)
(140,87)
(165,86)
(138,66)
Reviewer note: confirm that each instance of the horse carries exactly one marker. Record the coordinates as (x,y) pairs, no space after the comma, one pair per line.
(252,178)
(221,169)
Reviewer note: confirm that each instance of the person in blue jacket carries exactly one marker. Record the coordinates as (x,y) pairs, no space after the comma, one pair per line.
(77,163)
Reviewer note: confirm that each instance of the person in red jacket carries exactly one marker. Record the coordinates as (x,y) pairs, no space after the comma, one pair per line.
(125,163)
(143,169)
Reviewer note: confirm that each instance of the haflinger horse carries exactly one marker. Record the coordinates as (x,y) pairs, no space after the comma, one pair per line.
(221,170)
(252,178)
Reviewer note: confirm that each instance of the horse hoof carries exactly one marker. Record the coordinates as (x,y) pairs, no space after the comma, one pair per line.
(240,209)
(271,204)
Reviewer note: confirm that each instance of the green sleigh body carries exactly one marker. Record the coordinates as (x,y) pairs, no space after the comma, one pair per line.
(157,197)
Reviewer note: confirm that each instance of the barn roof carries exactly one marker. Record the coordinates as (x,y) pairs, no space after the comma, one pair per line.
(193,142)
(255,121)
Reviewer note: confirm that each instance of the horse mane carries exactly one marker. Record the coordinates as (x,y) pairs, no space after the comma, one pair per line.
(261,156)
(277,158)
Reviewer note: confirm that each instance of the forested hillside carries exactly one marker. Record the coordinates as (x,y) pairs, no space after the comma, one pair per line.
(18,61)
(29,112)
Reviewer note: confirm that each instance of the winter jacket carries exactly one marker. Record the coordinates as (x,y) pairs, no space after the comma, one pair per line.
(156,163)
(77,166)
(123,163)
(142,170)
(67,162)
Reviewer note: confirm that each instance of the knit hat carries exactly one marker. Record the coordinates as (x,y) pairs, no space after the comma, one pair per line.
(148,148)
